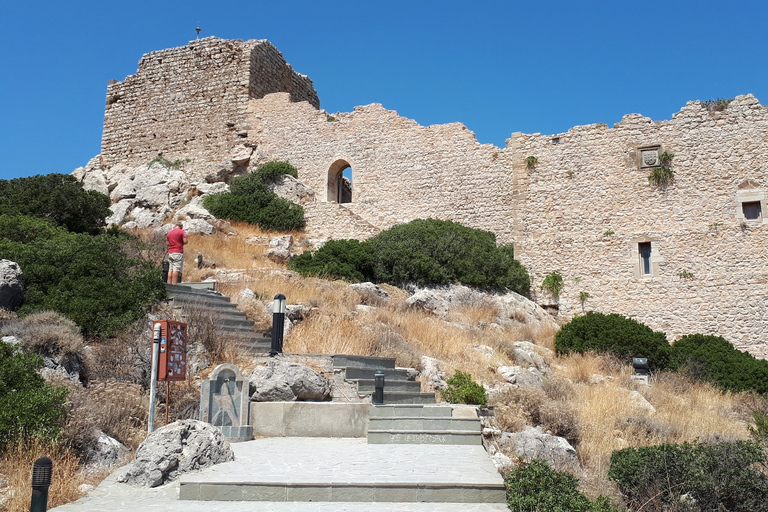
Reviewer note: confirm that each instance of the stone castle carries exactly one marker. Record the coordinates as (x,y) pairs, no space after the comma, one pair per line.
(683,258)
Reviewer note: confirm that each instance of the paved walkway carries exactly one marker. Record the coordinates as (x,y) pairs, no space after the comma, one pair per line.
(312,460)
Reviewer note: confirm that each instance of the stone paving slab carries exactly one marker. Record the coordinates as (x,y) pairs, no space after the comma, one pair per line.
(312,460)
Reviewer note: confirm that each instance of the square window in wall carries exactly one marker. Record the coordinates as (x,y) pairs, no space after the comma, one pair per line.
(644,253)
(751,210)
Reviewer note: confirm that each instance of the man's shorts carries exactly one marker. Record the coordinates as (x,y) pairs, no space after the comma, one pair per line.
(176,261)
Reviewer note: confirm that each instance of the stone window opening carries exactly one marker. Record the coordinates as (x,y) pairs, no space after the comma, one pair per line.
(646,258)
(750,203)
(751,210)
(339,182)
(644,251)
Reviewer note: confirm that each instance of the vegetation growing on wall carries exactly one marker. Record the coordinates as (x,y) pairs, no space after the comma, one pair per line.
(251,200)
(614,334)
(663,175)
(553,283)
(423,252)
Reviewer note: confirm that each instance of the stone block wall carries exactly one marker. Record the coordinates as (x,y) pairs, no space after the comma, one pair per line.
(400,169)
(587,204)
(189,103)
(582,209)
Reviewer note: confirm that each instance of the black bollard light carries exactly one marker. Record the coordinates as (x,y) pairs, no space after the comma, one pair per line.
(166,269)
(41,481)
(378,387)
(278,323)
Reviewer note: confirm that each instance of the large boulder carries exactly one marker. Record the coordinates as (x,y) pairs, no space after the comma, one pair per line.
(431,374)
(532,443)
(11,291)
(107,454)
(175,449)
(428,300)
(293,190)
(283,381)
(370,294)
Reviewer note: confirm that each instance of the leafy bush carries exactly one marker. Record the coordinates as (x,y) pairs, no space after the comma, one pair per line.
(535,486)
(28,406)
(58,197)
(463,390)
(715,477)
(88,279)
(351,260)
(713,359)
(422,252)
(616,335)
(251,200)
(270,172)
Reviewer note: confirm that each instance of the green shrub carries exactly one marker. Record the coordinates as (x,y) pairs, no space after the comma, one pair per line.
(613,334)
(88,279)
(270,172)
(713,359)
(351,260)
(723,476)
(250,200)
(28,406)
(422,252)
(438,252)
(463,390)
(535,486)
(58,197)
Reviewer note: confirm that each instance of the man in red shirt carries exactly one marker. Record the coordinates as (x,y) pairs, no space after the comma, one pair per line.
(177,239)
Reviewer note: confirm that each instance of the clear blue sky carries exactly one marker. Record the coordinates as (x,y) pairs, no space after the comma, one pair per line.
(497,66)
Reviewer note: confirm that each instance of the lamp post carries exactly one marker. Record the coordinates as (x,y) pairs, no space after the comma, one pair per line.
(378,387)
(41,481)
(278,323)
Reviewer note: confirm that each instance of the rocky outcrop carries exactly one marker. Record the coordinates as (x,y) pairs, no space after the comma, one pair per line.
(11,291)
(293,190)
(281,381)
(533,443)
(173,450)
(431,374)
(428,300)
(370,294)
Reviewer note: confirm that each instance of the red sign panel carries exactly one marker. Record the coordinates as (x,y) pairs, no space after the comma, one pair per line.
(172,364)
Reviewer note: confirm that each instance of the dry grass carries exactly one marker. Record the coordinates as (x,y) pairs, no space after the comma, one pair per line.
(16,469)
(47,333)
(685,411)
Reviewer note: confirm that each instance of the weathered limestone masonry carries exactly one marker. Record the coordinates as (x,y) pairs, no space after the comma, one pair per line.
(400,170)
(190,103)
(587,207)
(686,258)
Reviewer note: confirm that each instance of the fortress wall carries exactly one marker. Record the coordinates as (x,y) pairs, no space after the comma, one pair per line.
(401,170)
(590,183)
(189,102)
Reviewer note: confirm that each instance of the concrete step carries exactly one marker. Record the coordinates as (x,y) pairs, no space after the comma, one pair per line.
(349,471)
(357,372)
(458,437)
(406,397)
(368,385)
(471,425)
(411,410)
(342,361)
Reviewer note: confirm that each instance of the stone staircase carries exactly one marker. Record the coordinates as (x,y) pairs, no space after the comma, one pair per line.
(202,307)
(399,386)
